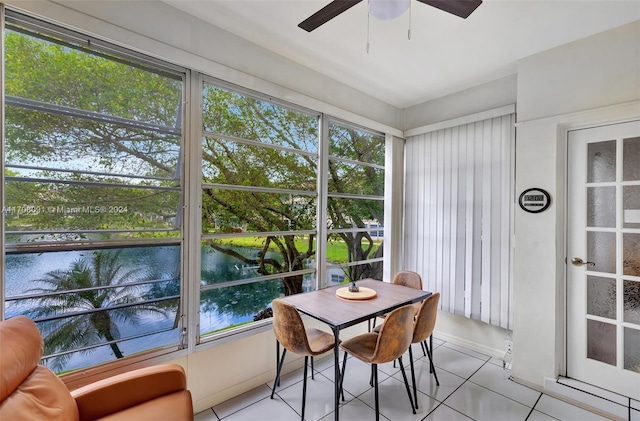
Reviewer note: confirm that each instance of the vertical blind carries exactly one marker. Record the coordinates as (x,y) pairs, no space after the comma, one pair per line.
(458,216)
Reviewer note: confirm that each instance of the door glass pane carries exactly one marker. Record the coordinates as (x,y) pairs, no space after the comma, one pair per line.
(631,347)
(601,342)
(632,302)
(601,249)
(601,297)
(602,162)
(631,254)
(601,209)
(631,206)
(631,159)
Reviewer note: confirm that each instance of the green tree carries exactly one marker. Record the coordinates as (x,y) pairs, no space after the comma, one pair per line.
(65,110)
(70,126)
(237,164)
(100,291)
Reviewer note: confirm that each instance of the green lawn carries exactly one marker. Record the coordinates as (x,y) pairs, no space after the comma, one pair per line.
(336,250)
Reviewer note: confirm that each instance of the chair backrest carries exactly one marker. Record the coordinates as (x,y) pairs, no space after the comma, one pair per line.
(426,318)
(395,335)
(408,278)
(28,390)
(289,329)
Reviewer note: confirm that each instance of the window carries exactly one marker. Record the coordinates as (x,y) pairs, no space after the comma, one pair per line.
(259,204)
(92,195)
(355,202)
(97,249)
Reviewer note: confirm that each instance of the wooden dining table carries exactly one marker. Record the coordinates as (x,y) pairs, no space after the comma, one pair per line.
(340,313)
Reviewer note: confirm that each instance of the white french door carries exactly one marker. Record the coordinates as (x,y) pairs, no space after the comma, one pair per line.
(603,257)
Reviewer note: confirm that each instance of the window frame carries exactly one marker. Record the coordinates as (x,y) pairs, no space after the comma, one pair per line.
(42,29)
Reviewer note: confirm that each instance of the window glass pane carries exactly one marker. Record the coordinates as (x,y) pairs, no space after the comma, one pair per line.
(631,206)
(348,247)
(234,306)
(343,274)
(69,146)
(239,258)
(227,162)
(84,299)
(631,254)
(57,206)
(601,342)
(631,301)
(92,155)
(355,213)
(631,347)
(350,178)
(601,209)
(601,297)
(601,249)
(601,161)
(82,80)
(238,115)
(631,159)
(356,145)
(227,211)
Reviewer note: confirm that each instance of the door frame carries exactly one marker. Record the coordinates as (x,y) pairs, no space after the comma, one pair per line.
(586,120)
(587,371)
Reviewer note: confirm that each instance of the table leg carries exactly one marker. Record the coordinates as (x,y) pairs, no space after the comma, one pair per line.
(336,364)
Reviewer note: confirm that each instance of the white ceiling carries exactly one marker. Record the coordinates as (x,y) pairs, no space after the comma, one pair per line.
(445,54)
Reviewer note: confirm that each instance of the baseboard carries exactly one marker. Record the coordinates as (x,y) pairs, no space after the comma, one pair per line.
(555,392)
(486,350)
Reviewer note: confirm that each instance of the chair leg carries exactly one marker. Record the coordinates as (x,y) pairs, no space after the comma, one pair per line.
(424,349)
(371,377)
(344,367)
(406,383)
(374,367)
(304,386)
(413,377)
(312,368)
(279,368)
(430,347)
(278,356)
(433,367)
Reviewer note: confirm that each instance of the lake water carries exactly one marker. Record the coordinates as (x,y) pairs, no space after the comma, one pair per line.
(154,262)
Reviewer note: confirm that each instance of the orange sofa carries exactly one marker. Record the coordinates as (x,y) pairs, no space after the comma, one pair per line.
(29,391)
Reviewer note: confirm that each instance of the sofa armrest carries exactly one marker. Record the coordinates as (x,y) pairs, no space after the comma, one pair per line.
(126,390)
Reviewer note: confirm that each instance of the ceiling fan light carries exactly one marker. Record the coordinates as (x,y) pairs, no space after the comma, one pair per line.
(387,9)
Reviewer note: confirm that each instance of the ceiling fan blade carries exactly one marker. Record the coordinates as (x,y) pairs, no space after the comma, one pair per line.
(462,8)
(327,13)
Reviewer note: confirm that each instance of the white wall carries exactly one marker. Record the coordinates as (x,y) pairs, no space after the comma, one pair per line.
(600,73)
(477,99)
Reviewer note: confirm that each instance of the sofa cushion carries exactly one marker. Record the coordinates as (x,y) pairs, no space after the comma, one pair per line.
(173,407)
(20,353)
(29,391)
(41,396)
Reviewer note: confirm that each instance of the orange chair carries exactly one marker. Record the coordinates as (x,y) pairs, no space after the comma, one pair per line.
(423,327)
(294,337)
(29,391)
(389,344)
(409,279)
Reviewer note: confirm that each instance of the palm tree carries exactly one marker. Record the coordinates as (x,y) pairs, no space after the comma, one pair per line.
(88,285)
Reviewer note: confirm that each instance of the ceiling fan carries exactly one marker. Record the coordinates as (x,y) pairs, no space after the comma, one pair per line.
(462,8)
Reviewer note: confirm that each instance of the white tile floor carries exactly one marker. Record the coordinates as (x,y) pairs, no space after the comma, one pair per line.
(472,387)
